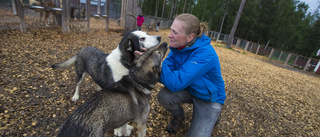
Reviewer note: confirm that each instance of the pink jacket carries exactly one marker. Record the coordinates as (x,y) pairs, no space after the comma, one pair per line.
(140,20)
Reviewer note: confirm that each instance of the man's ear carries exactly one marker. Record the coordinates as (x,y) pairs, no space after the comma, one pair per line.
(190,37)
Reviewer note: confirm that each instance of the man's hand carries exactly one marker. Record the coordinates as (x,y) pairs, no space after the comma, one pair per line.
(137,53)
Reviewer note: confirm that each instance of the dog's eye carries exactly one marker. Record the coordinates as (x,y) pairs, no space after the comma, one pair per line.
(142,39)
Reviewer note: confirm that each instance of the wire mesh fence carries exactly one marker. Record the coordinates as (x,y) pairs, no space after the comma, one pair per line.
(276,55)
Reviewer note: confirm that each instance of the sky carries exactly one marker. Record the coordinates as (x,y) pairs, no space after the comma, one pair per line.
(313,4)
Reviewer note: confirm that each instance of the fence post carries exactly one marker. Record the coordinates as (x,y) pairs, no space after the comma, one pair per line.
(294,63)
(307,64)
(317,67)
(271,53)
(18,9)
(238,43)
(288,58)
(251,47)
(280,56)
(258,50)
(245,48)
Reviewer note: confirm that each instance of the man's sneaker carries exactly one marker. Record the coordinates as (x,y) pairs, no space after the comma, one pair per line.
(174,124)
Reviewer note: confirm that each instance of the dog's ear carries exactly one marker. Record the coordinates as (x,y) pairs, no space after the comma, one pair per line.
(134,43)
(129,46)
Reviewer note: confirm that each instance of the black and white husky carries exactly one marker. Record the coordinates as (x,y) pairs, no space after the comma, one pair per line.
(120,102)
(106,69)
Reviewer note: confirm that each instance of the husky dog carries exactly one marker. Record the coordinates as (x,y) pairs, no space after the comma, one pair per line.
(120,102)
(106,69)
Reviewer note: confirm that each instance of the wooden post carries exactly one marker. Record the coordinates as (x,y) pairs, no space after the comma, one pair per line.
(258,49)
(271,53)
(280,56)
(19,10)
(245,48)
(88,14)
(288,58)
(225,38)
(238,43)
(64,16)
(294,63)
(307,65)
(98,7)
(123,11)
(106,7)
(317,67)
(58,19)
(251,47)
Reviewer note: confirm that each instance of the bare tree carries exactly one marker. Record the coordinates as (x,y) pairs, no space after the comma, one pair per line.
(164,3)
(184,5)
(177,5)
(204,10)
(170,17)
(156,9)
(130,21)
(235,24)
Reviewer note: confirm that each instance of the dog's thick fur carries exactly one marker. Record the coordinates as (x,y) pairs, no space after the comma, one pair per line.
(125,100)
(106,69)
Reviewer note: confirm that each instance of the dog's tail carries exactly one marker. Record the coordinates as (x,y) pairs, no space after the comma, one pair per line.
(65,64)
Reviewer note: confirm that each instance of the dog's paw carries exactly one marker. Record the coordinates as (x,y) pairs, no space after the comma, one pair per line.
(74,98)
(117,132)
(128,132)
(124,130)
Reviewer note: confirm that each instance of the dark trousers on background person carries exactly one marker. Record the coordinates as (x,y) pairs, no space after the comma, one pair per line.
(138,27)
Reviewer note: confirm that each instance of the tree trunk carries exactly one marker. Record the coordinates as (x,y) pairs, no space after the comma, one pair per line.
(204,10)
(130,21)
(218,37)
(170,17)
(164,3)
(174,8)
(156,9)
(184,5)
(177,8)
(233,30)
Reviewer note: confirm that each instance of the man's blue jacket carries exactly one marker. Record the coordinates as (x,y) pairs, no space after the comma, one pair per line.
(195,68)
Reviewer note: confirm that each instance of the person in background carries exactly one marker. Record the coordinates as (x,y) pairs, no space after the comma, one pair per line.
(140,20)
(158,24)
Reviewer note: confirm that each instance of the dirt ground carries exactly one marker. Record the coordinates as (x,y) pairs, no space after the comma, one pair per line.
(262,99)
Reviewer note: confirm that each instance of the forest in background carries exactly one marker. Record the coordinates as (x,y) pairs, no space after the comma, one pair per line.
(282,24)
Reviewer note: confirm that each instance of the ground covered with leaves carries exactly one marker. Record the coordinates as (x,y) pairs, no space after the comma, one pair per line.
(262,99)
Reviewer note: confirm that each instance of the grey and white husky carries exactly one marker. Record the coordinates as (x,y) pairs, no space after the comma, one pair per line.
(106,69)
(120,102)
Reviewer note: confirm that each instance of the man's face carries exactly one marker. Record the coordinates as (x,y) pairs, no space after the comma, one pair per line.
(177,36)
